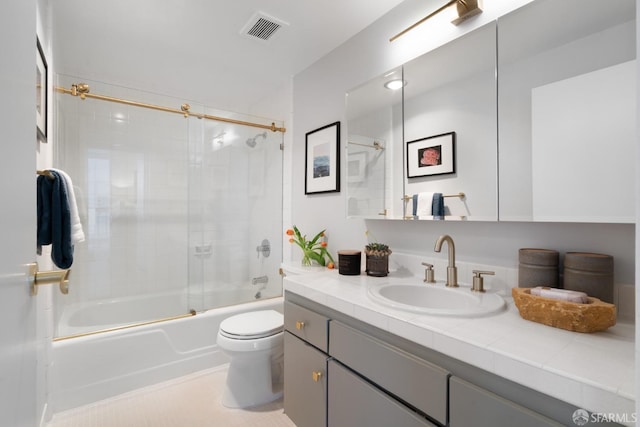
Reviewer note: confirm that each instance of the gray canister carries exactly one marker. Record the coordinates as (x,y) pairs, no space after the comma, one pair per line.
(538,267)
(590,273)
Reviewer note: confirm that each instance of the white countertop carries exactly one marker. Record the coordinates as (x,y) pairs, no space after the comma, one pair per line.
(593,371)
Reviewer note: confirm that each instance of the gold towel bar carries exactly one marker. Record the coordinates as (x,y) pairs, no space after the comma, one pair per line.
(54,277)
(460,195)
(46,173)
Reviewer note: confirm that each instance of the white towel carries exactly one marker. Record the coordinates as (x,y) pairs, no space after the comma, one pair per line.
(424,205)
(560,294)
(77,234)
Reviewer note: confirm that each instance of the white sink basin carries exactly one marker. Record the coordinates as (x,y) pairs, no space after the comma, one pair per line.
(436,299)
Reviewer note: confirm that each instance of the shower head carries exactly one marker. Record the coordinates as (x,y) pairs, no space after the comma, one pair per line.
(251,142)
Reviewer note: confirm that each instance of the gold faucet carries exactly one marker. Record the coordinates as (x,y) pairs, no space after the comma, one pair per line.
(452,270)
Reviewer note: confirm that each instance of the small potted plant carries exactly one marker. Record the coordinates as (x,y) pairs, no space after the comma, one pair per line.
(377,259)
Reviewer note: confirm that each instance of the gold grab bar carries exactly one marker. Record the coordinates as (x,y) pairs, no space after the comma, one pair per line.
(82,90)
(38,278)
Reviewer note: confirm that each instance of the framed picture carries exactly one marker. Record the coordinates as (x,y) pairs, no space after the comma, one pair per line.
(322,160)
(434,155)
(41,94)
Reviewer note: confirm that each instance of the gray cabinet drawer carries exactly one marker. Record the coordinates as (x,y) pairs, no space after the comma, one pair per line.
(471,405)
(414,380)
(305,392)
(306,324)
(353,402)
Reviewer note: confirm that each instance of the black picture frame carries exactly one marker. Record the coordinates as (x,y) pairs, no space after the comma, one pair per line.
(322,160)
(42,80)
(433,155)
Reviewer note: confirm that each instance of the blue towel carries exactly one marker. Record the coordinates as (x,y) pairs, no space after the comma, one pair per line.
(437,206)
(54,219)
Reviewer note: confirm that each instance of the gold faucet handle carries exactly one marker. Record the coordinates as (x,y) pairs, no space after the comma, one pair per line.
(428,273)
(478,280)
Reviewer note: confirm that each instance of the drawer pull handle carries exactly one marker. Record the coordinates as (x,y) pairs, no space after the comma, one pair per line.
(299,325)
(316,375)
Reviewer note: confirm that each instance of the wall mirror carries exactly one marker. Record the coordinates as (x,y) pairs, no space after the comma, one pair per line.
(450,90)
(374,130)
(567,116)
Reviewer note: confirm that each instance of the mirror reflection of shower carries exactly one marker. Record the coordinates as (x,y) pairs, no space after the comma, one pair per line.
(251,142)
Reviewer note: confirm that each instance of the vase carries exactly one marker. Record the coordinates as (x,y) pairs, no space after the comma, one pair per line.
(377,266)
(307,260)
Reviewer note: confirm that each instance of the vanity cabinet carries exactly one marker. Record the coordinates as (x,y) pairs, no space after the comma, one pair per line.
(354,402)
(371,377)
(418,383)
(338,376)
(473,405)
(305,383)
(305,366)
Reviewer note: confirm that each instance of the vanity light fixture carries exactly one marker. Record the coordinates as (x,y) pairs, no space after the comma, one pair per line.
(465,9)
(395,84)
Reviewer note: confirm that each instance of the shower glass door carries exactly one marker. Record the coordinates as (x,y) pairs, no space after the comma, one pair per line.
(173,208)
(235,203)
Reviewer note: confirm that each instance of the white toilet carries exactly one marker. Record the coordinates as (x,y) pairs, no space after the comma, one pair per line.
(255,343)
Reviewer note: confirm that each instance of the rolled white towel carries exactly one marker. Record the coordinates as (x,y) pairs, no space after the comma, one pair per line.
(424,205)
(560,294)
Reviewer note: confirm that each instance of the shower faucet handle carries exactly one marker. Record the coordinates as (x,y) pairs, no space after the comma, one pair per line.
(264,249)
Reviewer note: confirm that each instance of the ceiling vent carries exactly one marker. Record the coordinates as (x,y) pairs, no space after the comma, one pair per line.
(262,27)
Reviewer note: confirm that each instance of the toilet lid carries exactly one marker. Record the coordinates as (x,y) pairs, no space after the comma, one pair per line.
(254,324)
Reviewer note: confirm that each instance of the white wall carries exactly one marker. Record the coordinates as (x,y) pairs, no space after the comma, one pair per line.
(319,99)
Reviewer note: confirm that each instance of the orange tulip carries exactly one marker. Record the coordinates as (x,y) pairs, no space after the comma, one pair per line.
(323,244)
(289,232)
(330,266)
(291,240)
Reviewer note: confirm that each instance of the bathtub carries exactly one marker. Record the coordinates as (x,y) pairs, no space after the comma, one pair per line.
(89,368)
(81,318)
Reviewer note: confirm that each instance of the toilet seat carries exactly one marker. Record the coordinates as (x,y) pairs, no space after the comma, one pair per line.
(252,325)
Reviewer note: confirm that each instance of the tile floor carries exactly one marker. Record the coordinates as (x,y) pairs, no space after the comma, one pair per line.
(193,401)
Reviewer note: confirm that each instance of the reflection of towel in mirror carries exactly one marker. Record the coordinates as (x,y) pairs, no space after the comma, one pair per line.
(424,205)
(54,219)
(415,205)
(437,206)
